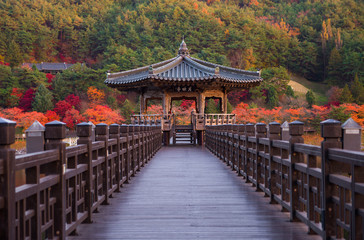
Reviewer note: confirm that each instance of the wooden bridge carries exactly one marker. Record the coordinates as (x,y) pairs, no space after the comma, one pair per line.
(277,189)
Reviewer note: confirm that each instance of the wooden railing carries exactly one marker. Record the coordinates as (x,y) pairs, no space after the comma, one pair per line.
(165,120)
(64,186)
(322,187)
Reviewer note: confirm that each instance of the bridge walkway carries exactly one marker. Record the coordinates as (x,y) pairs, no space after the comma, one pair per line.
(185,192)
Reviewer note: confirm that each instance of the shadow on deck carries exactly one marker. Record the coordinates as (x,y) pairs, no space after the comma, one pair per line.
(187,193)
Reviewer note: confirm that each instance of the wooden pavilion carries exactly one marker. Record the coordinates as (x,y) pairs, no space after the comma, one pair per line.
(184,77)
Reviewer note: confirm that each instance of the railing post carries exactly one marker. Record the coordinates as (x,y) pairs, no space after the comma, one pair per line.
(241,148)
(7,185)
(85,135)
(55,132)
(261,132)
(114,132)
(295,132)
(249,131)
(102,134)
(331,132)
(124,131)
(274,131)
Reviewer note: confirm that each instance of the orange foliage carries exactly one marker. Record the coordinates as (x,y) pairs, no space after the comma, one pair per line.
(95,96)
(195,5)
(282,25)
(103,114)
(28,119)
(253,3)
(244,114)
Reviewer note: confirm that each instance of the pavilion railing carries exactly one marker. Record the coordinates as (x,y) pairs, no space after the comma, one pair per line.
(322,187)
(64,186)
(165,120)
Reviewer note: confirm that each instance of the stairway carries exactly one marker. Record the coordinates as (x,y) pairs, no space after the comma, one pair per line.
(184,134)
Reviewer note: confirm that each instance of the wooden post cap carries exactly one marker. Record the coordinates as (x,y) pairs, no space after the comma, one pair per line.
(261,127)
(241,128)
(84,129)
(101,129)
(124,128)
(249,129)
(7,131)
(114,128)
(331,129)
(296,128)
(131,128)
(55,130)
(274,128)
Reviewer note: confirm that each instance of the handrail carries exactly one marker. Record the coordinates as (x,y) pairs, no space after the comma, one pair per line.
(322,186)
(63,187)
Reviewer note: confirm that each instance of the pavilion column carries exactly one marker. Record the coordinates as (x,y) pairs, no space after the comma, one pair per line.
(224,102)
(143,108)
(166,103)
(201,103)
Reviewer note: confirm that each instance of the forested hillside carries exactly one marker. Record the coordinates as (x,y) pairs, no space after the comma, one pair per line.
(320,40)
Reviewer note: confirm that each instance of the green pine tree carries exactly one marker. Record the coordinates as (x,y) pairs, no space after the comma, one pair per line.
(346,96)
(211,107)
(272,97)
(43,99)
(357,89)
(13,55)
(310,98)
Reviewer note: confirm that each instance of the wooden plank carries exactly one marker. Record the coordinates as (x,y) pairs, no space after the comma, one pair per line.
(187,193)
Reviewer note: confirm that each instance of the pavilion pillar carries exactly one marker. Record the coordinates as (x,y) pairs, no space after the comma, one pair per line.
(143,105)
(224,102)
(166,103)
(201,103)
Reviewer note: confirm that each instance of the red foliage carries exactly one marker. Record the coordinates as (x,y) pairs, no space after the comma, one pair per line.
(121,98)
(27,99)
(4,63)
(72,118)
(62,107)
(187,104)
(330,104)
(237,97)
(52,116)
(73,100)
(50,77)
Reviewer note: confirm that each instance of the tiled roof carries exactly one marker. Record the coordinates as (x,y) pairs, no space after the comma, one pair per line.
(45,66)
(183,68)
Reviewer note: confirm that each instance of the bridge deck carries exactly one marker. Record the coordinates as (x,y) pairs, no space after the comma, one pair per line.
(187,193)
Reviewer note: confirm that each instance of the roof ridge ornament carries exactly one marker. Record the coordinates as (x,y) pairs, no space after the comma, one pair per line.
(217,70)
(150,70)
(183,50)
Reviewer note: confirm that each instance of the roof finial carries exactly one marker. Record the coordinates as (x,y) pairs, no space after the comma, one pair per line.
(183,50)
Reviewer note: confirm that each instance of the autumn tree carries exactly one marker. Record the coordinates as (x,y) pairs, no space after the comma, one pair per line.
(27,99)
(62,107)
(95,96)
